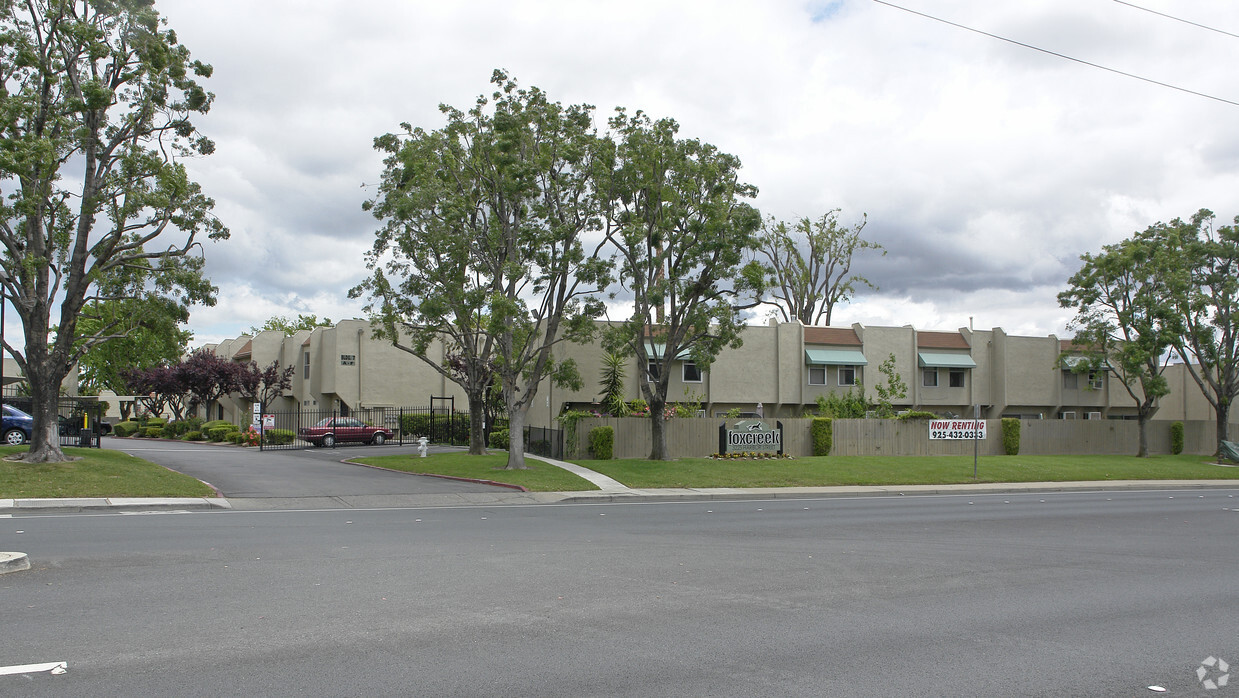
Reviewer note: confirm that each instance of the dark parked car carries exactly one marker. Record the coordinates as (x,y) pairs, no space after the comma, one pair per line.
(17,426)
(332,429)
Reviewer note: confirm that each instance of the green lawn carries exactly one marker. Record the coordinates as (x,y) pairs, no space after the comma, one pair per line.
(540,477)
(904,470)
(98,474)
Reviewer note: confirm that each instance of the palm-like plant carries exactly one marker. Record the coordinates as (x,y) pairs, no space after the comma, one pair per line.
(612,384)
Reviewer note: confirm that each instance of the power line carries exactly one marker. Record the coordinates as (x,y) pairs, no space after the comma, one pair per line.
(1178,19)
(1061,55)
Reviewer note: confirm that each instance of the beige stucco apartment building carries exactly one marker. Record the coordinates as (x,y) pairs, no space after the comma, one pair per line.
(783,367)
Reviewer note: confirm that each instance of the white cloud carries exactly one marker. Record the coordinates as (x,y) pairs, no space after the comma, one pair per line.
(986,169)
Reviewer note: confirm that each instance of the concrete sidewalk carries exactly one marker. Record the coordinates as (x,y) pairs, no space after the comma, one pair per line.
(10,507)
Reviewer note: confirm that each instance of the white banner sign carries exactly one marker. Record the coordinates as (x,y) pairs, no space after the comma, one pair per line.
(957,429)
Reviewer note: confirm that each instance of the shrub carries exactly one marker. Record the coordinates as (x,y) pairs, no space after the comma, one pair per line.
(206,427)
(167,431)
(602,442)
(1176,438)
(126,428)
(499,439)
(822,430)
(220,433)
(849,405)
(453,429)
(278,437)
(152,432)
(193,436)
(917,414)
(155,422)
(1011,436)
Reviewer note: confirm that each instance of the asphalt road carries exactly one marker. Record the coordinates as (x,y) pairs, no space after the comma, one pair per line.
(307,473)
(1097,594)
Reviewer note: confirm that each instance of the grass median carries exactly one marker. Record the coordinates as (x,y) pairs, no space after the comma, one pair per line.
(903,470)
(539,477)
(97,473)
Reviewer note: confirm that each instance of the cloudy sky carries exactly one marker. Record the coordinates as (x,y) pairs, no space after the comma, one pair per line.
(985,168)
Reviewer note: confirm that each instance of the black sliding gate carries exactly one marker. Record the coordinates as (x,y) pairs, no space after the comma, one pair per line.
(331,428)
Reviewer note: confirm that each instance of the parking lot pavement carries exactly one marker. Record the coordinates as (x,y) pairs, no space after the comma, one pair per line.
(315,472)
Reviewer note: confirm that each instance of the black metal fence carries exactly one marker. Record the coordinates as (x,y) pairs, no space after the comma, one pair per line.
(401,425)
(546,442)
(79,422)
(332,428)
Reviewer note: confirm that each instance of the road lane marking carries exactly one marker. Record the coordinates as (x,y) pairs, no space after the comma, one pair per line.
(52,667)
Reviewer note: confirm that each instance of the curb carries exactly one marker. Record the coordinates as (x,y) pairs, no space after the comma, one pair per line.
(13,562)
(99,504)
(723,494)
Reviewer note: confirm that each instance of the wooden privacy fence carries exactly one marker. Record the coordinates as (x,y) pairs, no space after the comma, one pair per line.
(697,437)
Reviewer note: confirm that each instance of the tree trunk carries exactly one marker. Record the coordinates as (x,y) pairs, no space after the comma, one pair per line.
(516,440)
(44,398)
(1143,421)
(658,430)
(1223,422)
(477,426)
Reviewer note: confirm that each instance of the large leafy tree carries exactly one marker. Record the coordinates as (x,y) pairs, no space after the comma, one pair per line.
(263,385)
(144,333)
(677,216)
(808,265)
(1124,318)
(95,114)
(159,388)
(207,377)
(1204,289)
(483,246)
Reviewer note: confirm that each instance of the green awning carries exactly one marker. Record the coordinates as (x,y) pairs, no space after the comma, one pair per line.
(834,357)
(930,360)
(655,350)
(1073,361)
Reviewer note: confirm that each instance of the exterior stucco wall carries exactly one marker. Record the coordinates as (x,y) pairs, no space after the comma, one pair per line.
(1014,375)
(878,344)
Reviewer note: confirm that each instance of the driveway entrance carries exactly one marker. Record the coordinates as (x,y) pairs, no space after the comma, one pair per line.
(247,472)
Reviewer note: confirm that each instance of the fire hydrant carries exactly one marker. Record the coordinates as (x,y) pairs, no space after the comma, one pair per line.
(423,445)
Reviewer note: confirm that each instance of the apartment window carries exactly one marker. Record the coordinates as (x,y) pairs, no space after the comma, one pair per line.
(1095,380)
(929,377)
(1067,415)
(348,359)
(690,373)
(1071,380)
(306,375)
(817,375)
(956,378)
(651,371)
(847,375)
